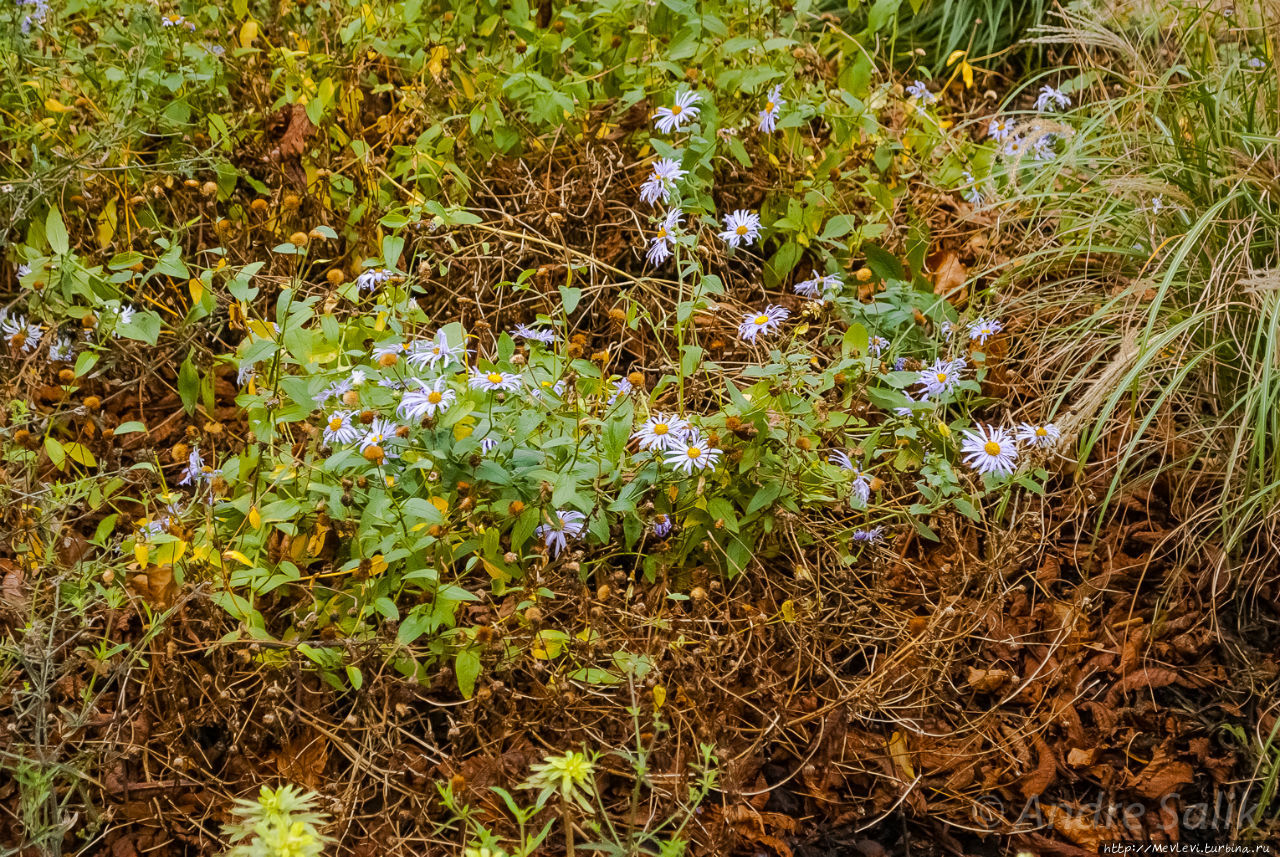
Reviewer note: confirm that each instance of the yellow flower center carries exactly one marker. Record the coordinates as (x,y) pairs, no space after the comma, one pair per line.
(768,107)
(662,232)
(676,109)
(434,398)
(335,423)
(660,428)
(1041,432)
(742,229)
(991,448)
(762,319)
(495,378)
(693,452)
(942,377)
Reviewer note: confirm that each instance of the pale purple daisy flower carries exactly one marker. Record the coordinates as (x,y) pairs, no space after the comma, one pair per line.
(567,525)
(769,116)
(762,322)
(983,329)
(194,471)
(662,243)
(1041,435)
(941,377)
(493,381)
(741,227)
(426,401)
(693,453)
(662,432)
(372,278)
(683,111)
(869,536)
(534,334)
(919,90)
(340,429)
(429,352)
(1000,129)
(382,434)
(1051,99)
(817,287)
(990,449)
(657,188)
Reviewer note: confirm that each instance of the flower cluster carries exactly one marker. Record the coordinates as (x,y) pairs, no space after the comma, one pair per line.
(992,449)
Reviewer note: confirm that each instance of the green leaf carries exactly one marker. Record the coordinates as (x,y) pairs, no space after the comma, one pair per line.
(466,666)
(120,261)
(856,340)
(86,361)
(765,496)
(525,525)
(131,427)
(883,263)
(143,327)
(839,226)
(571,297)
(55,232)
(781,264)
(594,675)
(189,385)
(56,453)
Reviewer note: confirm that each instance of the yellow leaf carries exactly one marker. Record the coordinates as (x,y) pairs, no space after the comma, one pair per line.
(966,72)
(441,504)
(377,565)
(107,221)
(659,697)
(53,105)
(140,553)
(197,290)
(255,517)
(80,454)
(955,55)
(237,556)
(248,33)
(169,553)
(435,65)
(547,647)
(788,611)
(462,429)
(495,572)
(901,758)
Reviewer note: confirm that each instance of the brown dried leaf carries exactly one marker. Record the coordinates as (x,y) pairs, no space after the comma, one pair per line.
(949,277)
(1039,780)
(303,759)
(987,681)
(1148,677)
(1163,776)
(294,141)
